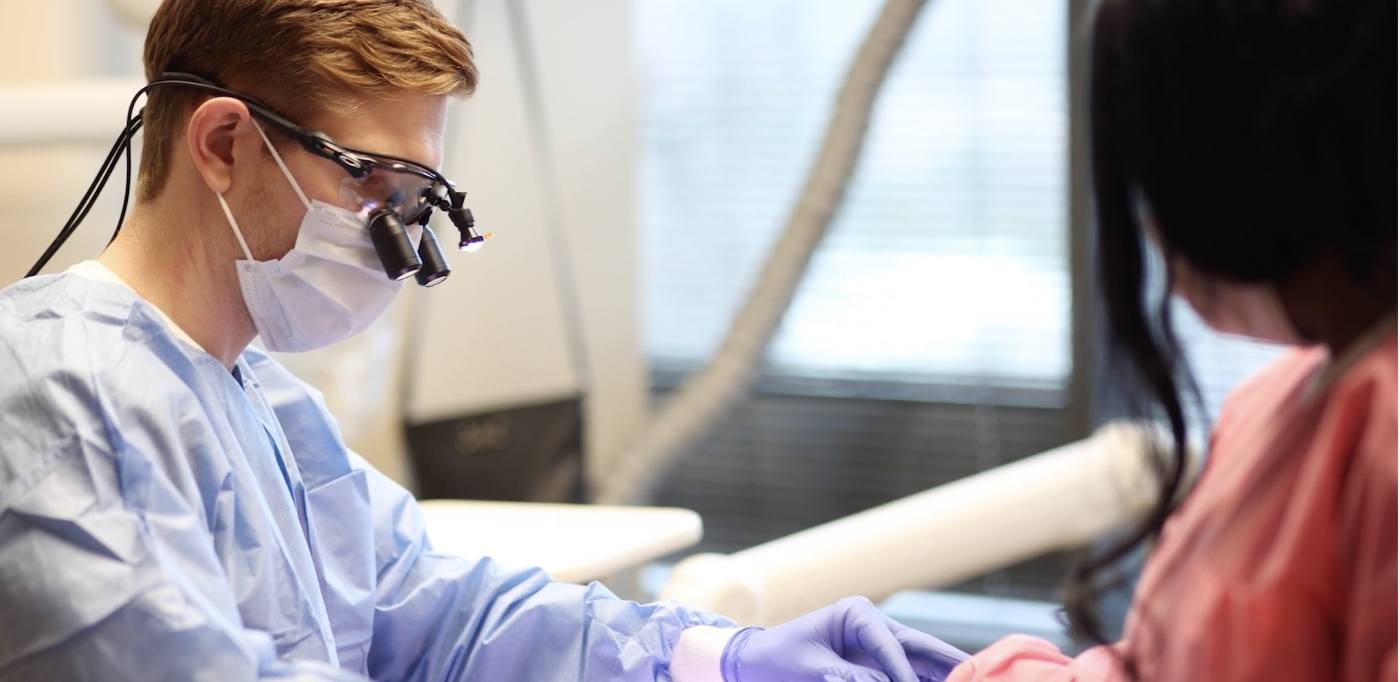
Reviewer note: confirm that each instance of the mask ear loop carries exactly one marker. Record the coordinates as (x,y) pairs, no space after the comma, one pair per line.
(234,224)
(283,165)
(223,204)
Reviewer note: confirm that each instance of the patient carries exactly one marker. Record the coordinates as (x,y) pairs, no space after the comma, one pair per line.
(1251,147)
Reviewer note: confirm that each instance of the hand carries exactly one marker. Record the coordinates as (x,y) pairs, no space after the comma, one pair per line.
(849,641)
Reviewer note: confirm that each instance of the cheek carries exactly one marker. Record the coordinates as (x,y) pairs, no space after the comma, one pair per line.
(277,214)
(286,225)
(319,179)
(325,187)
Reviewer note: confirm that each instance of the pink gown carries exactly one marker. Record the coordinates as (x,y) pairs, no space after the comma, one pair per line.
(1280,565)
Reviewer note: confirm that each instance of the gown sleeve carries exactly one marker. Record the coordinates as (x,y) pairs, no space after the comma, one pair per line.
(441,617)
(446,617)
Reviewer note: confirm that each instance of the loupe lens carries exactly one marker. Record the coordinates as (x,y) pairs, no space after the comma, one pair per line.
(403,193)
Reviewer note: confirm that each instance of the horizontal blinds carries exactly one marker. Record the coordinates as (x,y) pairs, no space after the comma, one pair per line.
(948,260)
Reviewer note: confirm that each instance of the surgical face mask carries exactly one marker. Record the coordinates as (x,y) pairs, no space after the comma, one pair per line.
(1250,310)
(330,286)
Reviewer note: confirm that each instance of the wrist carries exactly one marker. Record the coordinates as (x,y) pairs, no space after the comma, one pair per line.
(698,653)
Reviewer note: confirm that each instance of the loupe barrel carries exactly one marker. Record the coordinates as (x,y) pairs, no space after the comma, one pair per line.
(393,245)
(434,269)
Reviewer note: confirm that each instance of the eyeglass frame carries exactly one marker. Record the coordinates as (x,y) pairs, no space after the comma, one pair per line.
(357,162)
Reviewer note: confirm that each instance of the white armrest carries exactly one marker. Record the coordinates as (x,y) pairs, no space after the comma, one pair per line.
(571,542)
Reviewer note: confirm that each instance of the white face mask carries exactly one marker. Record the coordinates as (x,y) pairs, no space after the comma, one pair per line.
(329,287)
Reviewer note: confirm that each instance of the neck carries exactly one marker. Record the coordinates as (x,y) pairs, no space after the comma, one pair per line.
(179,260)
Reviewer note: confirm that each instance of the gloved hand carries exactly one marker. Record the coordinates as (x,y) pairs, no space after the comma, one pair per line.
(849,641)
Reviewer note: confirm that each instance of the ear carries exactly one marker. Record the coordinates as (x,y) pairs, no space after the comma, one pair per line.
(218,136)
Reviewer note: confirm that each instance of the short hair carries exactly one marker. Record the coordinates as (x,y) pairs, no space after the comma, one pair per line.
(300,57)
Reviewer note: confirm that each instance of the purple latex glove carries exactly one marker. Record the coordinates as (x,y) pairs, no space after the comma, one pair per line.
(849,641)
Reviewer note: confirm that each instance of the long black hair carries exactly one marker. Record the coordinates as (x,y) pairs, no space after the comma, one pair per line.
(1259,135)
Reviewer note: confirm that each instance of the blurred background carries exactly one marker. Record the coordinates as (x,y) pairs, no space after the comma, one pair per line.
(636,161)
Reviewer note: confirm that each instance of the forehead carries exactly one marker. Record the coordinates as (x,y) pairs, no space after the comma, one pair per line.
(410,128)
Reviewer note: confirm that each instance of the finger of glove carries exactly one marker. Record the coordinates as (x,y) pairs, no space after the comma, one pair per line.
(838,677)
(874,637)
(926,670)
(843,671)
(922,647)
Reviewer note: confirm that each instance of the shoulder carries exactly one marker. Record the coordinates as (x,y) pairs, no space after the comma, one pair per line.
(1288,373)
(1351,404)
(70,318)
(1355,411)
(1361,413)
(66,333)
(79,359)
(1362,404)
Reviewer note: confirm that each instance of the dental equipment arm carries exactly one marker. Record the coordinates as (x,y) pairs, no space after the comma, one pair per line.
(1059,499)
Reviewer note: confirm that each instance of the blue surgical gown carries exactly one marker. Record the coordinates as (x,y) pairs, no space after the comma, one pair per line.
(162,517)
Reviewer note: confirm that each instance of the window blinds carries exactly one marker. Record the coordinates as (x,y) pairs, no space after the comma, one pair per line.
(947,263)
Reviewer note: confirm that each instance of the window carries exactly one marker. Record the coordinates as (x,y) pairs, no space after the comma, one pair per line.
(947,267)
(947,263)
